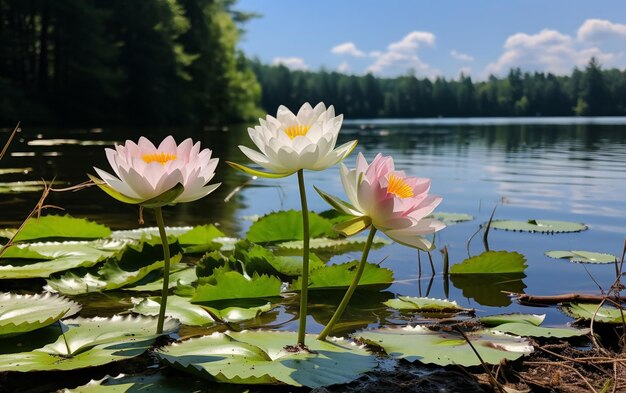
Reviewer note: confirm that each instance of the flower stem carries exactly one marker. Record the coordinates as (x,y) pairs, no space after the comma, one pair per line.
(355,282)
(304,291)
(166,269)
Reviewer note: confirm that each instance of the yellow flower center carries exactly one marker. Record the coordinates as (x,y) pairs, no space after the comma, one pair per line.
(159,157)
(398,187)
(296,130)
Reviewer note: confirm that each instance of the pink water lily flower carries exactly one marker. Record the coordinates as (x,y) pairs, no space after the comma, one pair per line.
(145,172)
(391,201)
(290,142)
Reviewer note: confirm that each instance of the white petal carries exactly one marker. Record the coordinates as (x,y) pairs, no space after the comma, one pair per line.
(112,158)
(411,241)
(201,193)
(168,145)
(140,185)
(262,160)
(117,184)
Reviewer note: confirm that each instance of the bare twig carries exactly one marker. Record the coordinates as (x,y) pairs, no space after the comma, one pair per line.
(6,145)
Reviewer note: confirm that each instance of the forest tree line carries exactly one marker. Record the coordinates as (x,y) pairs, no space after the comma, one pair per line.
(588,92)
(99,62)
(176,62)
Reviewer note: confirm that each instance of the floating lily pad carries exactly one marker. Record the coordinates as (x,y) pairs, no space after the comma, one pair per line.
(542,226)
(424,304)
(446,348)
(494,320)
(491,262)
(185,276)
(85,343)
(260,357)
(52,226)
(21,186)
(24,313)
(451,218)
(355,243)
(589,310)
(261,260)
(230,285)
(147,233)
(57,257)
(287,225)
(340,276)
(583,256)
(155,383)
(530,330)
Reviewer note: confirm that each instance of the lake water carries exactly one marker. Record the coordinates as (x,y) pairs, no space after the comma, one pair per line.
(555,169)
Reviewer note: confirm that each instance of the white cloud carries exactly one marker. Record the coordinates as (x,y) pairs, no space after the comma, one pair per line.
(461,56)
(401,56)
(600,30)
(344,67)
(347,48)
(548,51)
(293,63)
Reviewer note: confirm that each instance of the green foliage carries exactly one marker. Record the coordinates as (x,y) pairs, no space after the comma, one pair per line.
(60,227)
(146,383)
(23,313)
(491,262)
(451,218)
(494,320)
(424,304)
(529,330)
(541,226)
(258,259)
(583,256)
(260,357)
(446,348)
(593,311)
(286,226)
(231,285)
(84,343)
(341,276)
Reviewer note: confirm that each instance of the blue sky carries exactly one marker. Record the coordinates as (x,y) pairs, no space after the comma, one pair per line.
(432,38)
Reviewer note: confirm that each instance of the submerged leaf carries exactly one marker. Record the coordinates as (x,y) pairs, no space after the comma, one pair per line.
(583,256)
(23,313)
(261,357)
(446,348)
(543,226)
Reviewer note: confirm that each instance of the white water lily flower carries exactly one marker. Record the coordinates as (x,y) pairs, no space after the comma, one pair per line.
(288,142)
(396,204)
(155,176)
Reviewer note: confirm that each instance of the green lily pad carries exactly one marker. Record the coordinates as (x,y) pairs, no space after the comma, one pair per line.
(155,383)
(287,225)
(177,307)
(52,226)
(529,330)
(185,276)
(261,260)
(14,187)
(446,348)
(491,262)
(231,285)
(355,243)
(260,357)
(85,343)
(145,234)
(494,320)
(110,276)
(583,256)
(58,257)
(10,171)
(340,276)
(542,226)
(424,304)
(590,310)
(24,313)
(451,218)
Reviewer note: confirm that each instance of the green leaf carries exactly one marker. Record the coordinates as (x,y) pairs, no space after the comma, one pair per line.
(53,226)
(451,218)
(200,238)
(261,260)
(491,262)
(542,226)
(111,276)
(145,234)
(529,330)
(229,285)
(285,226)
(353,226)
(255,172)
(589,310)
(340,276)
(239,314)
(487,289)
(91,342)
(62,256)
(447,348)
(583,256)
(260,357)
(339,245)
(424,304)
(140,383)
(185,276)
(494,320)
(14,187)
(23,313)
(177,307)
